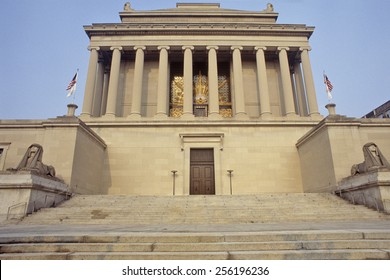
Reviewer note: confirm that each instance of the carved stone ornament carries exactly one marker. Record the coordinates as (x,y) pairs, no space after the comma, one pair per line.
(127,7)
(270,8)
(32,161)
(373,160)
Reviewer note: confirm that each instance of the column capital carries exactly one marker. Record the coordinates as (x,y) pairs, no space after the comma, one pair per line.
(116,48)
(236,48)
(187,47)
(163,48)
(260,48)
(212,48)
(283,48)
(139,48)
(90,48)
(305,49)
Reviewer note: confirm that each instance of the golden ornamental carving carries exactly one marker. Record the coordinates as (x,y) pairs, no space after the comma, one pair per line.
(224,90)
(200,94)
(176,112)
(226,113)
(201,89)
(177,90)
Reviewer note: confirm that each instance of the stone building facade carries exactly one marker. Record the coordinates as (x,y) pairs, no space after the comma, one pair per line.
(197,99)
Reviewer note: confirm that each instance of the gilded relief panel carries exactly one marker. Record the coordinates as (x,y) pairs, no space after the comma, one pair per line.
(200,95)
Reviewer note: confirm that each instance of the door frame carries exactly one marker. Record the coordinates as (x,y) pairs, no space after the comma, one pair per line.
(202,140)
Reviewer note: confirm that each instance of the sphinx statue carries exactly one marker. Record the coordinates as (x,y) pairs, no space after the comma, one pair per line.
(127,7)
(32,161)
(373,160)
(270,8)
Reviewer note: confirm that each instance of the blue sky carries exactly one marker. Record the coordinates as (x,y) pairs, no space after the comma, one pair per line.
(43,43)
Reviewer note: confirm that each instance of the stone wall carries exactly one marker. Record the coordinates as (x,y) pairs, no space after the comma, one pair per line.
(141,156)
(329,150)
(76,152)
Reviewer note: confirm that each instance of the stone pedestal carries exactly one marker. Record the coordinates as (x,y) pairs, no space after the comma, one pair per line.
(371,189)
(24,192)
(331,108)
(71,110)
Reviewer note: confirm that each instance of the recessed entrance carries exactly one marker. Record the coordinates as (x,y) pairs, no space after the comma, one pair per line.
(202,181)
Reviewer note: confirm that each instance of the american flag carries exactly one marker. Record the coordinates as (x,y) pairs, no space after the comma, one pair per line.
(327,83)
(72,85)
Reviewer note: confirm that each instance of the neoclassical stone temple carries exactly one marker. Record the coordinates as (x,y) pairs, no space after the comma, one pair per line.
(197,99)
(199,60)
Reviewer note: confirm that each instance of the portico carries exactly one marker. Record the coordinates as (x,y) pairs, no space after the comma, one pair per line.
(170,69)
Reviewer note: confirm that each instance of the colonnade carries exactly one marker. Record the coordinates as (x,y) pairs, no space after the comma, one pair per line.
(298,93)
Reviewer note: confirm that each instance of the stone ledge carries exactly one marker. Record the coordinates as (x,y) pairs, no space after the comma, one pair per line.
(371,189)
(24,192)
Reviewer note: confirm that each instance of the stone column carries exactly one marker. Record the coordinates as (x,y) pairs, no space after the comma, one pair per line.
(265,104)
(239,100)
(188,82)
(106,80)
(309,82)
(213,83)
(114,80)
(97,101)
(163,82)
(300,89)
(286,81)
(90,83)
(137,82)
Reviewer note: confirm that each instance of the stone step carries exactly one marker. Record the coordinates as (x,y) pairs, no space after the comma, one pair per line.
(361,254)
(194,247)
(241,209)
(195,220)
(119,256)
(99,214)
(183,207)
(217,200)
(200,237)
(304,244)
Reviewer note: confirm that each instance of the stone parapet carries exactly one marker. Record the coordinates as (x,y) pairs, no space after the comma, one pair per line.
(371,189)
(25,192)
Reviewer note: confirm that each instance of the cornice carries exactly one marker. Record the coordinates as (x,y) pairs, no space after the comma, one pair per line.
(180,14)
(198,29)
(60,122)
(120,122)
(342,121)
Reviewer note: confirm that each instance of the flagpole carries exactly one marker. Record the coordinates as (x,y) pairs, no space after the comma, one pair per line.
(329,87)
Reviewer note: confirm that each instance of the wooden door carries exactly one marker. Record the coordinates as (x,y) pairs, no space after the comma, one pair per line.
(202,172)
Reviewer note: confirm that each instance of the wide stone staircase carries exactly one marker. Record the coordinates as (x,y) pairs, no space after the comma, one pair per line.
(266,226)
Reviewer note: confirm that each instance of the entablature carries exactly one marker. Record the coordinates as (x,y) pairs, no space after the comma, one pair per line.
(207,29)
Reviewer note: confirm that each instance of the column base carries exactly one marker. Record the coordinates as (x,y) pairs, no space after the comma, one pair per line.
(134,116)
(187,116)
(316,116)
(214,116)
(266,116)
(241,116)
(292,115)
(109,116)
(161,116)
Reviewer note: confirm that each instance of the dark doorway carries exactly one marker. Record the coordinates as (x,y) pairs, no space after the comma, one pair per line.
(202,172)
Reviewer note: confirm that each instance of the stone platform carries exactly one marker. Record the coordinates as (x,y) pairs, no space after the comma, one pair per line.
(371,189)
(25,192)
